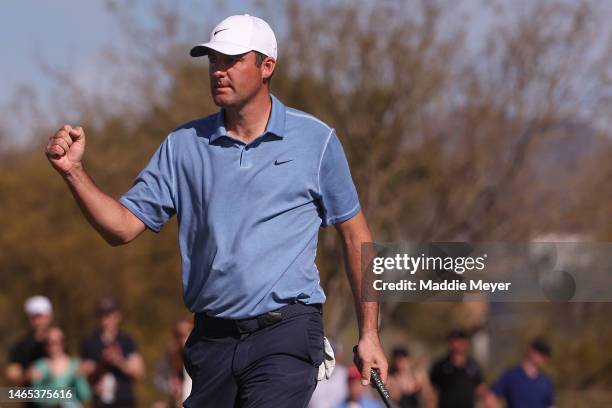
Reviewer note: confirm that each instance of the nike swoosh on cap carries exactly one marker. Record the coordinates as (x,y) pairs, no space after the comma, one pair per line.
(218,31)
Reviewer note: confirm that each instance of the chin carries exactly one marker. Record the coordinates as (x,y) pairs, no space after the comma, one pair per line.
(222,101)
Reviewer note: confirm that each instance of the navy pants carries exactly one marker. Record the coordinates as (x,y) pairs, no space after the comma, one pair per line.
(275,366)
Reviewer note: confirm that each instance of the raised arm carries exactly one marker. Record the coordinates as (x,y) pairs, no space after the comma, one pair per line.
(115,223)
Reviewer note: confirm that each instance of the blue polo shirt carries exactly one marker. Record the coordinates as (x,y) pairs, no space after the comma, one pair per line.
(248,214)
(521,391)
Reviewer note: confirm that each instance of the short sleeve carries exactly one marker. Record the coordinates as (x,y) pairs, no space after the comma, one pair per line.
(152,196)
(127,345)
(338,195)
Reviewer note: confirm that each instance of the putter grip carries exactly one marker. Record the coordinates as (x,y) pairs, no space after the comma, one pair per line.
(380,387)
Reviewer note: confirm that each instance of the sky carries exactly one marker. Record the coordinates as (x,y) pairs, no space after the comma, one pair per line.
(58,32)
(71,35)
(68,33)
(73,32)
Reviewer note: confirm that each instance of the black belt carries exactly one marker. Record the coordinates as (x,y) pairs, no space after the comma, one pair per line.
(250,325)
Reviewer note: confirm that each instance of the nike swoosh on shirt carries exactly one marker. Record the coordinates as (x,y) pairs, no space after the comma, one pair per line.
(218,31)
(279,162)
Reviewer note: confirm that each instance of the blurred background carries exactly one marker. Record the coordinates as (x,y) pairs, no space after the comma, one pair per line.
(462,120)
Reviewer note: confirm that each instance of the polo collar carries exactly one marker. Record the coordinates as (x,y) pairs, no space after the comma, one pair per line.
(276,124)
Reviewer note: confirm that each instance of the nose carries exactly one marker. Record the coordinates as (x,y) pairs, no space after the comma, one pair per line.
(217,71)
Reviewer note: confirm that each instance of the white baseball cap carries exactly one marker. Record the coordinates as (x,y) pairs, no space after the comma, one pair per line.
(38,305)
(237,35)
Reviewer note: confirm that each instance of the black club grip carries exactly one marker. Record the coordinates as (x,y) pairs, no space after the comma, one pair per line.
(380,386)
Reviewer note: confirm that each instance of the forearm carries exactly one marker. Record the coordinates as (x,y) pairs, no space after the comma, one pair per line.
(92,370)
(490,401)
(427,392)
(488,397)
(111,219)
(355,233)
(132,366)
(367,311)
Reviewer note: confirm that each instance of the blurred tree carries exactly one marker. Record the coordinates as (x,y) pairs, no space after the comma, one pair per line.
(447,141)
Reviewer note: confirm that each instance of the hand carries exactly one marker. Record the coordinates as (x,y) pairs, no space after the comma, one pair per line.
(86,368)
(369,354)
(34,375)
(66,148)
(112,355)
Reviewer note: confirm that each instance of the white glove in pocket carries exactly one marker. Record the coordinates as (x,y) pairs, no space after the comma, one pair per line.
(327,367)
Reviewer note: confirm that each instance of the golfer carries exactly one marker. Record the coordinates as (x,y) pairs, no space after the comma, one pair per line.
(251,185)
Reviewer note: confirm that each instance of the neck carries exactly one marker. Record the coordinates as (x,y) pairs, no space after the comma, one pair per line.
(109,335)
(56,355)
(39,334)
(250,120)
(458,359)
(531,369)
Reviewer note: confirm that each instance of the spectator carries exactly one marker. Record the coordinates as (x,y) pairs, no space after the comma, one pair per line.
(358,395)
(59,370)
(111,360)
(332,392)
(457,377)
(31,347)
(408,385)
(170,374)
(525,386)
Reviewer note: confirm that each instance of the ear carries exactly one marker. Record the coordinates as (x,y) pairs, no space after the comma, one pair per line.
(267,68)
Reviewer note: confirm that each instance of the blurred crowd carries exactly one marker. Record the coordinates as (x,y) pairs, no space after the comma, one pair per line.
(109,364)
(454,380)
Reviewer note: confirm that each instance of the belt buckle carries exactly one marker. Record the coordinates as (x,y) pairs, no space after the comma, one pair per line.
(268,319)
(240,328)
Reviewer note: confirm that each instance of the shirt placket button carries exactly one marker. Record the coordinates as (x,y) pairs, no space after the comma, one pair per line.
(244,156)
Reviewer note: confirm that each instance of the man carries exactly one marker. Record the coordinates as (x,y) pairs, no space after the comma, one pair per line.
(110,359)
(525,386)
(409,383)
(251,185)
(32,347)
(457,377)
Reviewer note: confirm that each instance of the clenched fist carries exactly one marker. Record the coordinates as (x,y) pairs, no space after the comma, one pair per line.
(66,148)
